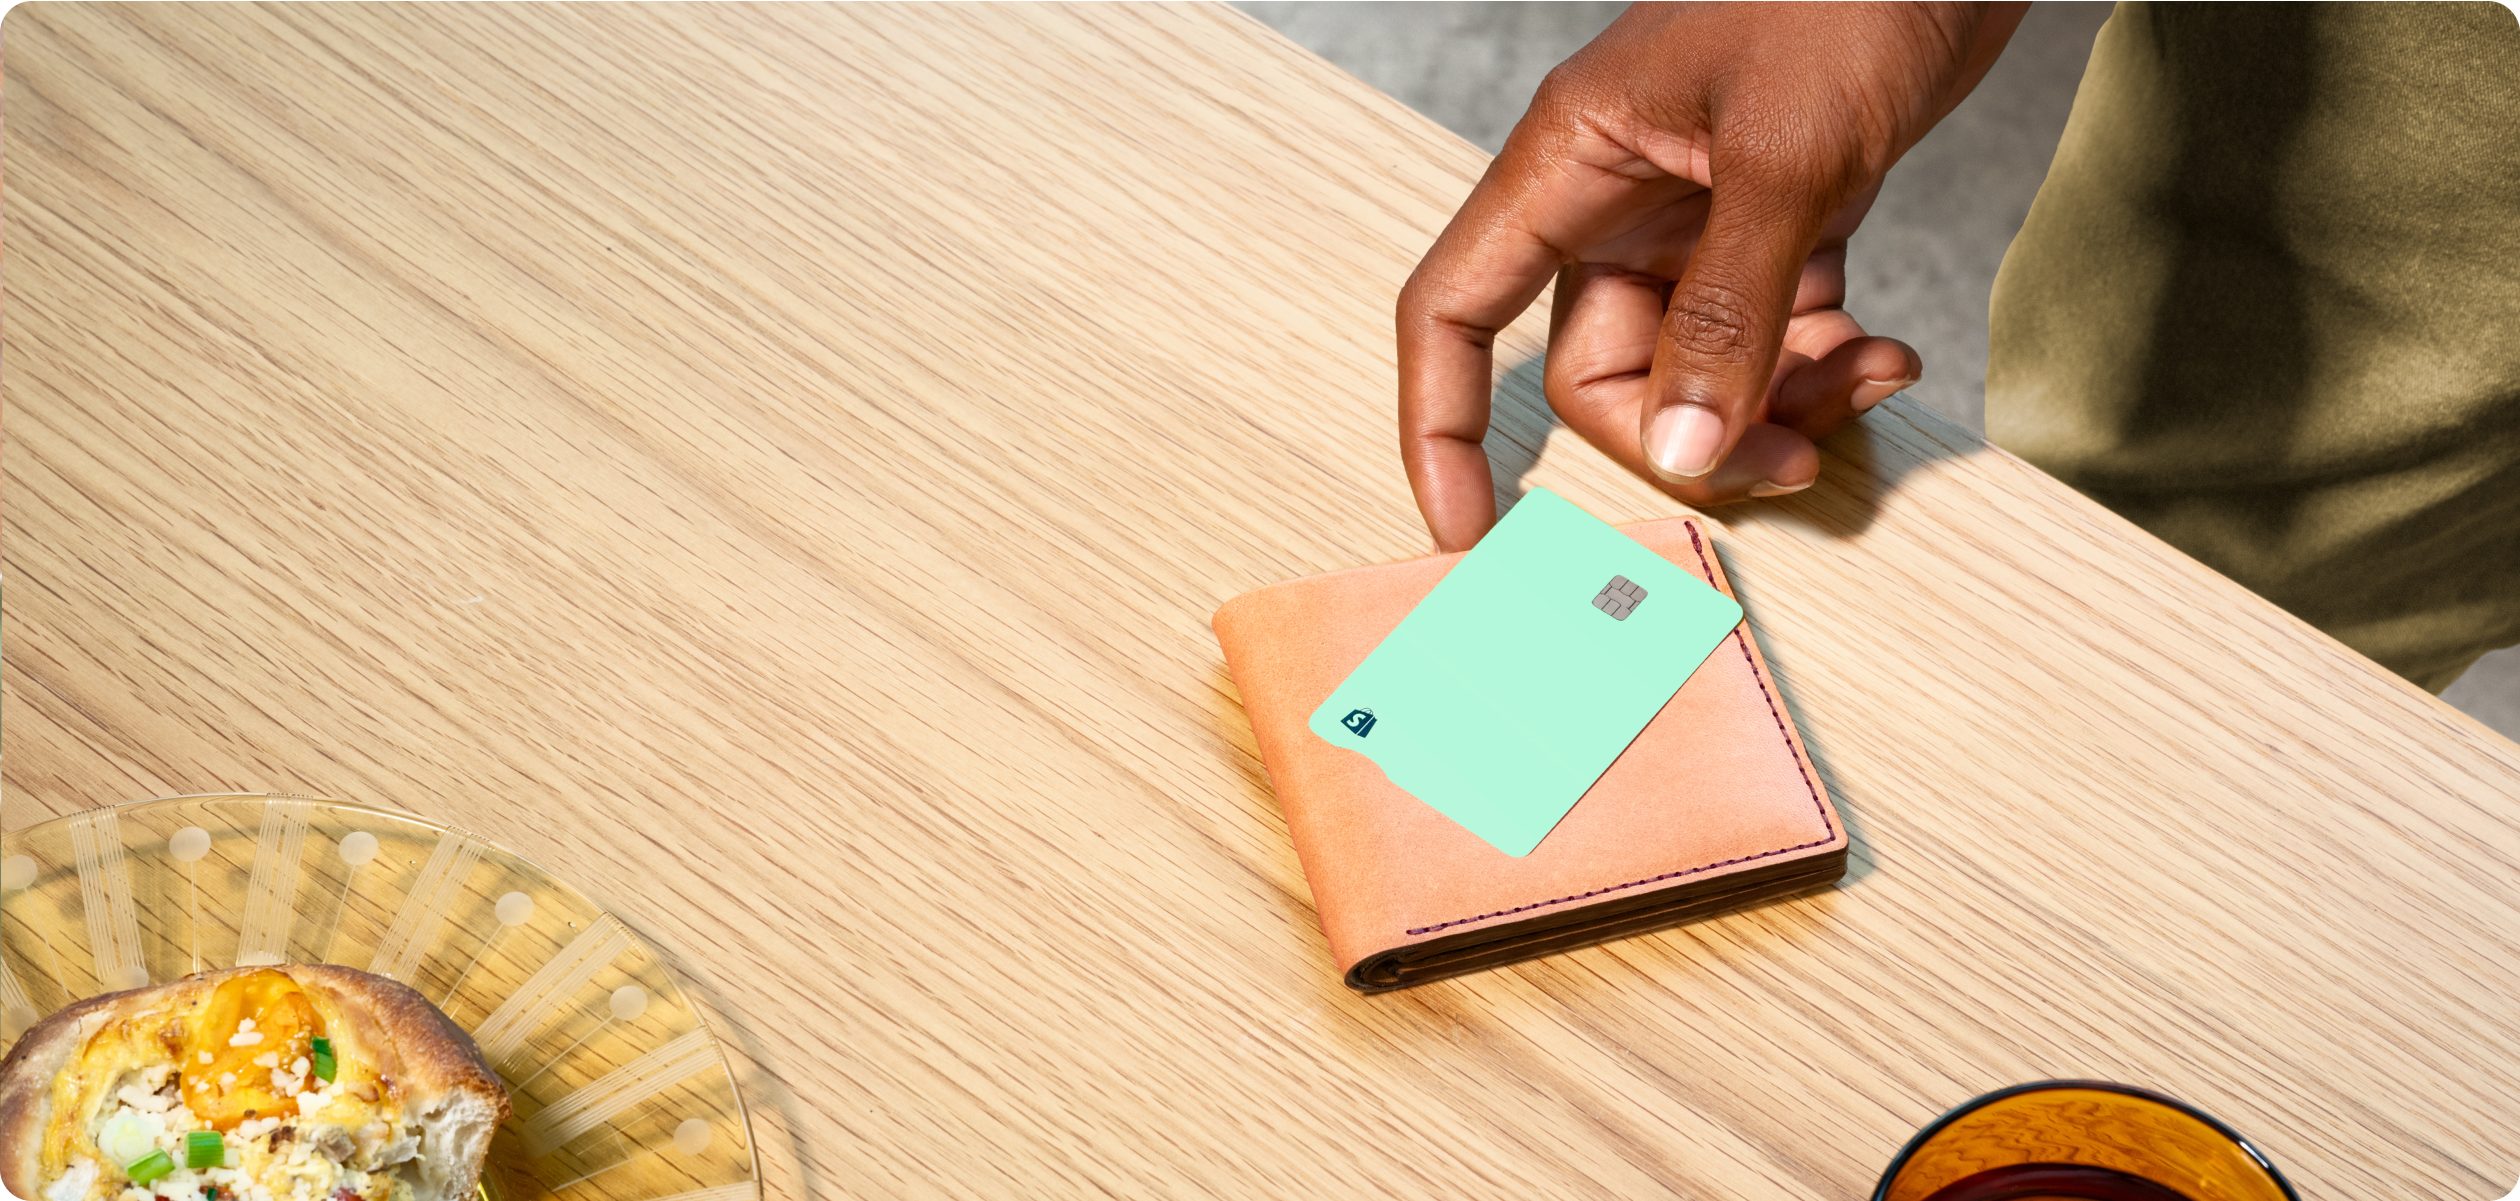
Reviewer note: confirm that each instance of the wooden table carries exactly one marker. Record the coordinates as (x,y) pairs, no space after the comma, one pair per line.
(774,466)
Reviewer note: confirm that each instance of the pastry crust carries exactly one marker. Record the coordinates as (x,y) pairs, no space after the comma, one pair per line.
(434,1063)
(26,1086)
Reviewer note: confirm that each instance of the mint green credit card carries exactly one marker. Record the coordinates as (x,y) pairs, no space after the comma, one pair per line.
(1530,667)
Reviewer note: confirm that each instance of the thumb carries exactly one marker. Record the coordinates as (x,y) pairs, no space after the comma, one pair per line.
(1716,351)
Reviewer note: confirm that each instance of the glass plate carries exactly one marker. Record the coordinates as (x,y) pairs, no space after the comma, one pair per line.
(619,1089)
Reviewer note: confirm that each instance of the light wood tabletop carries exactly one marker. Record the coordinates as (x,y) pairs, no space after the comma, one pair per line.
(773,467)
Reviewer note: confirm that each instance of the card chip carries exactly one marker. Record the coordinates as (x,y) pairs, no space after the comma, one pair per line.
(1619,597)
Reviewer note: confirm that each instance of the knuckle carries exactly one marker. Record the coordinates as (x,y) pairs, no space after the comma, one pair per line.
(1806,144)
(1468,333)
(1711,323)
(1431,309)
(1416,298)
(1568,89)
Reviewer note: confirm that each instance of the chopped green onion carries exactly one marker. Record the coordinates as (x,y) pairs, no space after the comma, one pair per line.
(204,1149)
(153,1166)
(210,1193)
(127,1137)
(325,1067)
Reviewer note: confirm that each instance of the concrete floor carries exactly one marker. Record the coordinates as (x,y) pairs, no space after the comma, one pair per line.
(1923,263)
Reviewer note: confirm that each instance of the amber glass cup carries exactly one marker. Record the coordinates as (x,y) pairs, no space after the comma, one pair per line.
(2083,1140)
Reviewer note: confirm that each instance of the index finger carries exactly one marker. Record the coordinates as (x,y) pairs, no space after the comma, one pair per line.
(1483,271)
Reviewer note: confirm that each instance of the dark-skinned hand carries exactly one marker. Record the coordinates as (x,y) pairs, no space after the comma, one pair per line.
(1689,179)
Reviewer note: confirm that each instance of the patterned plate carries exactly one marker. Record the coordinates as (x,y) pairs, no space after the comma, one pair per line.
(619,1090)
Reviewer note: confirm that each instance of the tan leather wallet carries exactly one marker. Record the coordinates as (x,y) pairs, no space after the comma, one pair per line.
(1714,806)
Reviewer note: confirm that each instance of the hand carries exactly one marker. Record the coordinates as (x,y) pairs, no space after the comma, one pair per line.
(1690,179)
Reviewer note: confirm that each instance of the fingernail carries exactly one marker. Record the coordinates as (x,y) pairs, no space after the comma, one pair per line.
(1684,439)
(1772,488)
(1873,391)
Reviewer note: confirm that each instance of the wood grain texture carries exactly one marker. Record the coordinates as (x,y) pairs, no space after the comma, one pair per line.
(789,455)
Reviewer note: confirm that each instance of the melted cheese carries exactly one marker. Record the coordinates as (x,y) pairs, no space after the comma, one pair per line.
(236,1059)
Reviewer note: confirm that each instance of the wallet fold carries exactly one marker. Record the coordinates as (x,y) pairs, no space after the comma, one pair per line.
(1715,805)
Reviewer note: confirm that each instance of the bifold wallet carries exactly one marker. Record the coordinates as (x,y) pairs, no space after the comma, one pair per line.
(1714,806)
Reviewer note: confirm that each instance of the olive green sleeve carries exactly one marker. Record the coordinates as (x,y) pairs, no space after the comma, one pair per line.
(2267,306)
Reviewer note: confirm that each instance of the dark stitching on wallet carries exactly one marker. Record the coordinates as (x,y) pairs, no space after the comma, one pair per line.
(1773,712)
(1581,896)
